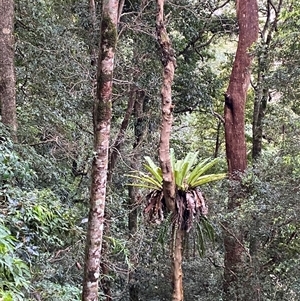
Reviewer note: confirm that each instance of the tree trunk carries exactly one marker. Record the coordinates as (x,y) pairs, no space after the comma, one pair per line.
(218,143)
(235,100)
(260,105)
(263,66)
(102,118)
(176,269)
(116,146)
(7,67)
(168,61)
(169,186)
(139,130)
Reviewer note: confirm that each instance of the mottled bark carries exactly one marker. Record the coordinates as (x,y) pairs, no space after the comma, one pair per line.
(169,187)
(235,100)
(7,68)
(168,61)
(101,119)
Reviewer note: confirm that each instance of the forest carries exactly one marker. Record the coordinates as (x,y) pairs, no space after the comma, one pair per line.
(149,150)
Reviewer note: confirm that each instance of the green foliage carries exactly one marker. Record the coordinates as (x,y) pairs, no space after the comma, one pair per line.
(14,171)
(39,219)
(152,181)
(204,231)
(54,41)
(14,273)
(50,291)
(189,201)
(187,174)
(118,247)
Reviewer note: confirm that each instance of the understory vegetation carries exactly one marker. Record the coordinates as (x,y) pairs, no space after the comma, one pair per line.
(45,174)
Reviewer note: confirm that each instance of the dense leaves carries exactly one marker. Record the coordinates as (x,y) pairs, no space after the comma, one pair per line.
(44,176)
(189,201)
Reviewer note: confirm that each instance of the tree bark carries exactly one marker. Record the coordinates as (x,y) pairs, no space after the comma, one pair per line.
(139,131)
(101,119)
(177,273)
(235,100)
(7,67)
(169,186)
(168,61)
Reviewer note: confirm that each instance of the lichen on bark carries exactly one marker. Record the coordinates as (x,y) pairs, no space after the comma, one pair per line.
(102,112)
(110,35)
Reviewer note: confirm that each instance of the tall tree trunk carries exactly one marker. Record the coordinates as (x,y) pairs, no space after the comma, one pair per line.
(263,66)
(168,61)
(235,100)
(7,67)
(139,130)
(101,119)
(169,187)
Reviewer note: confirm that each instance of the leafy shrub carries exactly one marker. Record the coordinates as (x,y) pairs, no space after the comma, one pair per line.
(40,220)
(14,273)
(49,291)
(14,171)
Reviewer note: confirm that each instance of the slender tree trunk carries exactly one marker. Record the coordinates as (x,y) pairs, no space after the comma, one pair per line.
(218,143)
(102,119)
(139,131)
(104,270)
(177,273)
(168,61)
(263,66)
(260,105)
(7,67)
(169,187)
(116,146)
(235,99)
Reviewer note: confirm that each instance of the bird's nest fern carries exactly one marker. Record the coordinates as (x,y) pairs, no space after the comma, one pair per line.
(189,201)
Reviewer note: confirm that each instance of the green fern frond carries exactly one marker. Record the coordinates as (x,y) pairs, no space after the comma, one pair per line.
(209,229)
(200,240)
(182,169)
(142,186)
(207,179)
(204,230)
(146,179)
(153,169)
(197,171)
